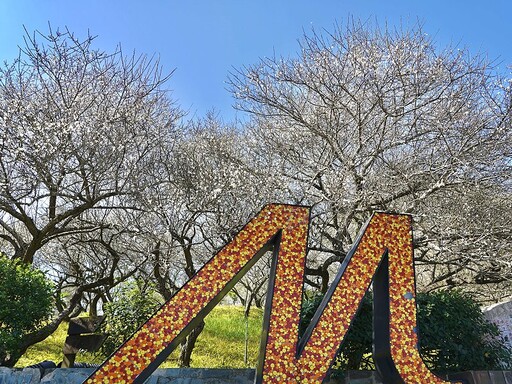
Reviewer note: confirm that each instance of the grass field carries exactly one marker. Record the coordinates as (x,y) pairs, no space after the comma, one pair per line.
(220,345)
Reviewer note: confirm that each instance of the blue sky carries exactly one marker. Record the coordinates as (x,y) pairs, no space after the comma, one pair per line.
(205,39)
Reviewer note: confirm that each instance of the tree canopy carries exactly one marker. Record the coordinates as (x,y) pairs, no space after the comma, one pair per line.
(103,178)
(369,119)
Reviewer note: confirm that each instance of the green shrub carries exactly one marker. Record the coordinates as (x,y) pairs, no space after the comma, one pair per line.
(131,307)
(453,335)
(357,348)
(25,305)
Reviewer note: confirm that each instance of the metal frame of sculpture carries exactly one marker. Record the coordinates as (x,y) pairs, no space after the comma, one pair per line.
(382,251)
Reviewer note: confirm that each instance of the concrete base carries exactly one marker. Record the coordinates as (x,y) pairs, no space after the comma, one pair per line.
(218,376)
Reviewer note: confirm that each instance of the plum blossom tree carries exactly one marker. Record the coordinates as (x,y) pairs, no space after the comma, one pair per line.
(204,197)
(81,132)
(368,119)
(101,180)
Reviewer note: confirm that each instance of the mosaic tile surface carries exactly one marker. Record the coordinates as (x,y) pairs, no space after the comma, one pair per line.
(384,232)
(280,362)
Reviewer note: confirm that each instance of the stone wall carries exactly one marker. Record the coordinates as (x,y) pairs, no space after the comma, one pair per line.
(501,315)
(213,376)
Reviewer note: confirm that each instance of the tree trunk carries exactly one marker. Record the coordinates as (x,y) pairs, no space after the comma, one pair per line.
(188,345)
(73,308)
(11,358)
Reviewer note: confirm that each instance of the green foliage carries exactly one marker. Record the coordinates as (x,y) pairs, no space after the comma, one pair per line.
(453,335)
(131,307)
(357,347)
(25,305)
(309,306)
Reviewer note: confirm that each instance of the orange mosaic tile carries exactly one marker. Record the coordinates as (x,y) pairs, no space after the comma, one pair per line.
(130,362)
(283,359)
(283,364)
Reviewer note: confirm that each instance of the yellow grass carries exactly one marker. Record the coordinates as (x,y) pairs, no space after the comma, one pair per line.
(220,345)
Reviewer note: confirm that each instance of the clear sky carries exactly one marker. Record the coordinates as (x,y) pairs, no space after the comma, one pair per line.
(205,39)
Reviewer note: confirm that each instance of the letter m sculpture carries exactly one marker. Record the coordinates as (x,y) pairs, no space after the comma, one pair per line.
(383,254)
